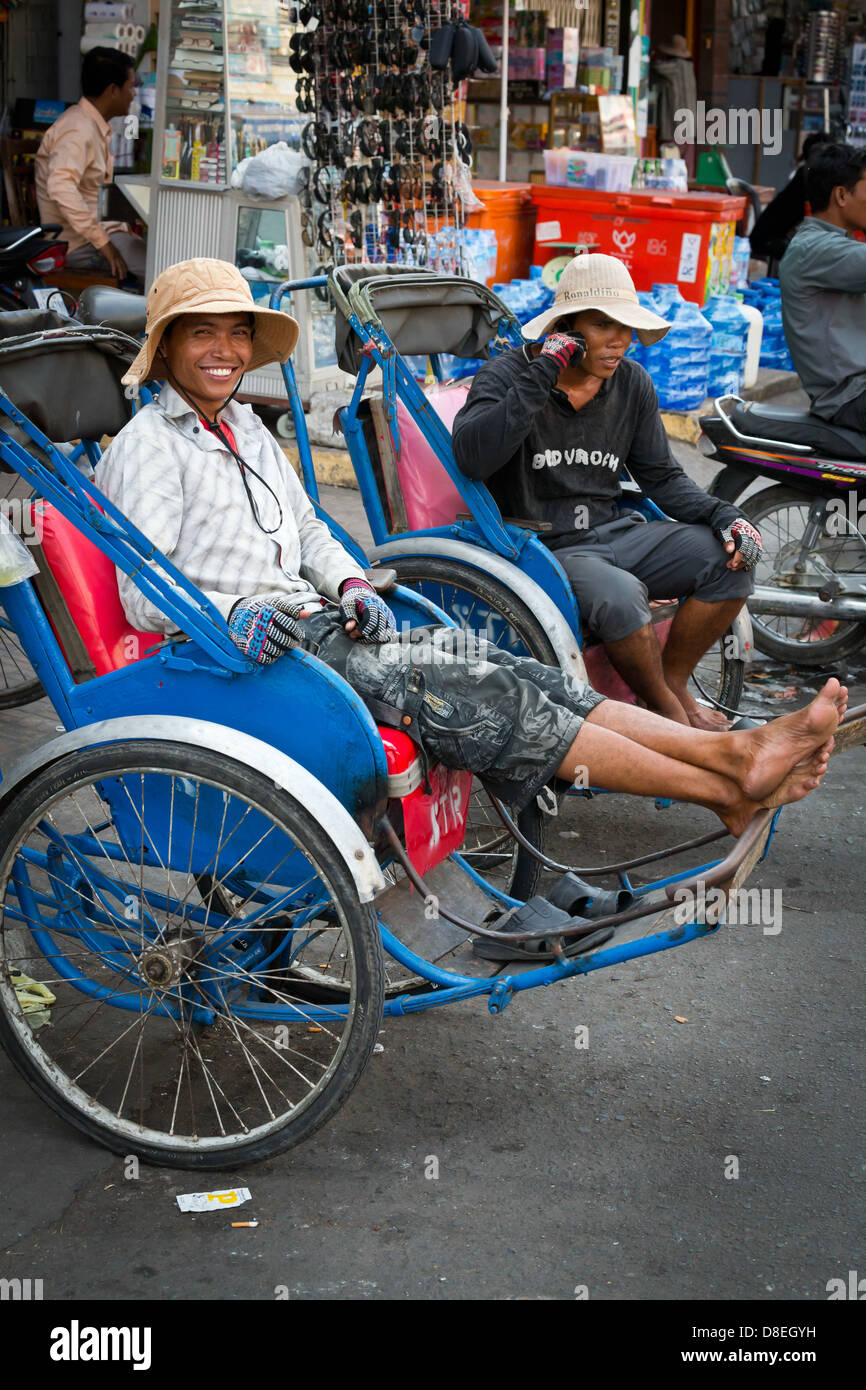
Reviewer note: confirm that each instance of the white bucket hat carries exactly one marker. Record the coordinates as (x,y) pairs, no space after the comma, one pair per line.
(599,282)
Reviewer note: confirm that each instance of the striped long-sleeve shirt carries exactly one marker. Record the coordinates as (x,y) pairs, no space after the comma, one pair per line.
(180,485)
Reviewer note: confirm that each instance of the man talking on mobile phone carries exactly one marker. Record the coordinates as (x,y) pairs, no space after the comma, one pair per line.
(551,425)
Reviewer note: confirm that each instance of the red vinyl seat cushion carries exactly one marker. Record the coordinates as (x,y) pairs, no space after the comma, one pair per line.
(87,579)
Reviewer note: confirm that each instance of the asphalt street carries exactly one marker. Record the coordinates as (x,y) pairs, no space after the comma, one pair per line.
(706,1142)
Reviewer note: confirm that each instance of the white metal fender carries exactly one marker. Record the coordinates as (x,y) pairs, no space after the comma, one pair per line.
(283,771)
(562,638)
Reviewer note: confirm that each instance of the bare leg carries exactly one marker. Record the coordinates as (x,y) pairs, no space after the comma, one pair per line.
(755,760)
(638,659)
(695,628)
(615,762)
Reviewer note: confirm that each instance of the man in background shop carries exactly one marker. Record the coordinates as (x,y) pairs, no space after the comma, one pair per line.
(74,162)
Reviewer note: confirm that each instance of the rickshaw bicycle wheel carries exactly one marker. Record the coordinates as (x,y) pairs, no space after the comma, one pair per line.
(488,851)
(719,677)
(477,603)
(171,1030)
(19,684)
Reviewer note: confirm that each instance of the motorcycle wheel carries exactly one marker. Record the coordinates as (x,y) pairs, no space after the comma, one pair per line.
(781,515)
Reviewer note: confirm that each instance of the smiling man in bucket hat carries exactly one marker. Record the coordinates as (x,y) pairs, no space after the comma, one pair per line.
(549,426)
(203,479)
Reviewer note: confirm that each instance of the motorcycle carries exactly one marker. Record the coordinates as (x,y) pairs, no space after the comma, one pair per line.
(809,604)
(27,254)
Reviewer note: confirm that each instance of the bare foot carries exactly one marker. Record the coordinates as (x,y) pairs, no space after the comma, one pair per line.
(800,782)
(802,779)
(702,716)
(773,751)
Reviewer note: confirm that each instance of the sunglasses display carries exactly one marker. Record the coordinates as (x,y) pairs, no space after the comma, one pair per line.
(387,148)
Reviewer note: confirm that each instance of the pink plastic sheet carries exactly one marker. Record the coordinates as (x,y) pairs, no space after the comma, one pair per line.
(430,497)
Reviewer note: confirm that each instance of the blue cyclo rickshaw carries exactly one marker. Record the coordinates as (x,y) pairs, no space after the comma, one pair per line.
(220,877)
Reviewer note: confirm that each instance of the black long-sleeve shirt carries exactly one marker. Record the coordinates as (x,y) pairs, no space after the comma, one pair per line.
(541,458)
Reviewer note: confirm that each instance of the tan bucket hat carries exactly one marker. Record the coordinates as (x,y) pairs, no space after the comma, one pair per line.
(599,282)
(206,286)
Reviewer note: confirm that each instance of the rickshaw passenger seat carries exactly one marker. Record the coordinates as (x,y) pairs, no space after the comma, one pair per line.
(429,496)
(86,581)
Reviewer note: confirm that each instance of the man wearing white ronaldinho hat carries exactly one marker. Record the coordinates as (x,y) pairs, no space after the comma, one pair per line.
(550,426)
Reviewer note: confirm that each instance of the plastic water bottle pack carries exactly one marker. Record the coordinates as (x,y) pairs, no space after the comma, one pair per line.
(766,296)
(728,347)
(679,364)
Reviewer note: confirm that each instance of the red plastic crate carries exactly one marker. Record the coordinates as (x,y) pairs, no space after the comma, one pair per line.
(509,210)
(663,238)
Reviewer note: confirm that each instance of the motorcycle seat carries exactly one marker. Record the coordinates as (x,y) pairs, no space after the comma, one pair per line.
(103,304)
(777,424)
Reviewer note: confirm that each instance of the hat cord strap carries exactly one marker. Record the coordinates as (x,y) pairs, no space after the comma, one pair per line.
(216,428)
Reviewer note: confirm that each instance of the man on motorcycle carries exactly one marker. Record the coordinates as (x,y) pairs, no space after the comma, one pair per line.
(73,163)
(550,425)
(823,284)
(201,477)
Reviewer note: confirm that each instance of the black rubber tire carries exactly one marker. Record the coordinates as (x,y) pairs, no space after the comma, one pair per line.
(851,636)
(81,769)
(729,691)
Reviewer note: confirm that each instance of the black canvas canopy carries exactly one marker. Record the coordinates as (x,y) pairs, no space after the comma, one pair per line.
(421,312)
(64,377)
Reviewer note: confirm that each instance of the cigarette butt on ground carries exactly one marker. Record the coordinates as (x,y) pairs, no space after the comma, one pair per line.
(244,1223)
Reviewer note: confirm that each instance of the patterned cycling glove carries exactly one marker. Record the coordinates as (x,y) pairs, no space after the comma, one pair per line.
(564,348)
(264,627)
(746,538)
(360,602)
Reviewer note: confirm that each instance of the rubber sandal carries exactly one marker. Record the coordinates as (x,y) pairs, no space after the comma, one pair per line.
(488,949)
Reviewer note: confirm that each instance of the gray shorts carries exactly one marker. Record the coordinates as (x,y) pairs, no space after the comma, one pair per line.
(131,247)
(510,720)
(618,567)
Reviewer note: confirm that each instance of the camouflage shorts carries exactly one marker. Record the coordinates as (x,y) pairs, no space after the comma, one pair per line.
(509,719)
